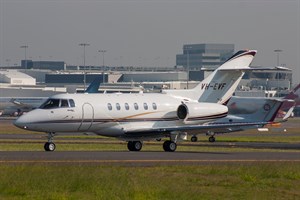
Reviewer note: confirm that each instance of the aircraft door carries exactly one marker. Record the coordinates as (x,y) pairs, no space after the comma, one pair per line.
(87,117)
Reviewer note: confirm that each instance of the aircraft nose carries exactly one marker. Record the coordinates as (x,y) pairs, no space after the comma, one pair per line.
(21,122)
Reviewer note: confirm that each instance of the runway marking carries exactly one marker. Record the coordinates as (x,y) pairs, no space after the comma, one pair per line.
(137,161)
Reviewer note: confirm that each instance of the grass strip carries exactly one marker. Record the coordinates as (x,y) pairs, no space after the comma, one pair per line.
(81,181)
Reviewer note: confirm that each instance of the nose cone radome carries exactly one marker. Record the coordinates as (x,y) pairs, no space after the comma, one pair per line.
(21,122)
(27,121)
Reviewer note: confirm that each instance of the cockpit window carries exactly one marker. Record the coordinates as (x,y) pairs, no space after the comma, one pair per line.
(64,103)
(58,103)
(72,103)
(50,103)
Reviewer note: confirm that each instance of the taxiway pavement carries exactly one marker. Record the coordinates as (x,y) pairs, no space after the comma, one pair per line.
(145,158)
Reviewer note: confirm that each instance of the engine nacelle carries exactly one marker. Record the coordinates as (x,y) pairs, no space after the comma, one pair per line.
(195,113)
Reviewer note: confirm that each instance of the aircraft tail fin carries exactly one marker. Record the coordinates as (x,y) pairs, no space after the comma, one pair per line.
(240,60)
(94,86)
(293,95)
(219,86)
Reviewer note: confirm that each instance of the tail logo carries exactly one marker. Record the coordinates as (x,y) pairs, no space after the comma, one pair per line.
(215,86)
(267,107)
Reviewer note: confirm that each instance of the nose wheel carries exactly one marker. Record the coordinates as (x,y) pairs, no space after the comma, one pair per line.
(50,146)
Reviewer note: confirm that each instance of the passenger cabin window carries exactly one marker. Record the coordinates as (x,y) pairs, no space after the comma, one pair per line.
(118,106)
(126,106)
(154,106)
(136,106)
(145,106)
(109,106)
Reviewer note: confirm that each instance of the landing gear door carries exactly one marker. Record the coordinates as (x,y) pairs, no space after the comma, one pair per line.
(87,117)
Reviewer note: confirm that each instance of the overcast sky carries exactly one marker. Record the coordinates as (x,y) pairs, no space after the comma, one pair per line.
(147,32)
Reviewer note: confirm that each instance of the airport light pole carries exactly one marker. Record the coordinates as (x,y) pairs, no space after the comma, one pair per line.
(188,70)
(103,52)
(84,75)
(277,51)
(25,48)
(188,66)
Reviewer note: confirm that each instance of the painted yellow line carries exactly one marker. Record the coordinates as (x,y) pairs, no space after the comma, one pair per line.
(137,161)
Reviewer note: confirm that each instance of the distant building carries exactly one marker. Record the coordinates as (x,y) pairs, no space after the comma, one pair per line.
(14,77)
(50,65)
(153,76)
(276,79)
(72,78)
(196,56)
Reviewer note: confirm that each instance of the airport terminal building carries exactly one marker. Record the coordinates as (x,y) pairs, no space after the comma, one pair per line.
(190,66)
(197,56)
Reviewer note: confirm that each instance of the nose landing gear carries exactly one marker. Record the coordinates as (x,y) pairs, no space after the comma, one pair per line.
(50,146)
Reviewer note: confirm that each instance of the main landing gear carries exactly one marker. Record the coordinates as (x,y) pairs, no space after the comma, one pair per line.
(194,138)
(134,145)
(211,139)
(50,146)
(168,146)
(212,136)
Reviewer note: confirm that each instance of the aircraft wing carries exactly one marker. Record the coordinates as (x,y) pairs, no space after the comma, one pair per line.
(20,104)
(203,128)
(26,103)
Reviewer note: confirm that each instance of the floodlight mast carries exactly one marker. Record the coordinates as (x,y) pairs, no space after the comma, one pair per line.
(103,68)
(84,75)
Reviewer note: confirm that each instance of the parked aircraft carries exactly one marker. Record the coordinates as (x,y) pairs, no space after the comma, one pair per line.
(295,95)
(137,117)
(248,110)
(19,105)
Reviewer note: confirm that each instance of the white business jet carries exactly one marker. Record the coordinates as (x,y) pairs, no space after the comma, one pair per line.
(138,117)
